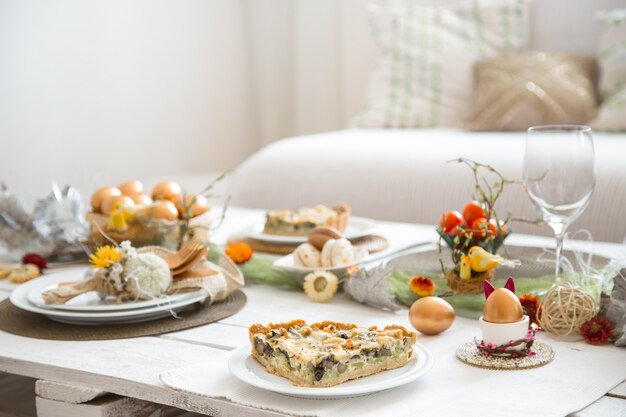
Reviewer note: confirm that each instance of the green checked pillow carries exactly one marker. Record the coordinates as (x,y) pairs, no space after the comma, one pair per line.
(612,61)
(424,75)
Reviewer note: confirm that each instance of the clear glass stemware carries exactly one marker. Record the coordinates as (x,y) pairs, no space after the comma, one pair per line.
(559,175)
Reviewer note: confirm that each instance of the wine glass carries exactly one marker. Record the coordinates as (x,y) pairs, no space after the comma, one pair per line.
(559,175)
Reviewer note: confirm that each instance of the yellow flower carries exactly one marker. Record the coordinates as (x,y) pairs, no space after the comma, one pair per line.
(105,256)
(320,286)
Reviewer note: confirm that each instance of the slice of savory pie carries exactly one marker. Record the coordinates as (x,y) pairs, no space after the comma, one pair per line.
(302,221)
(329,353)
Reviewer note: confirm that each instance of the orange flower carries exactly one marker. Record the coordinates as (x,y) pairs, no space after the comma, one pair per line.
(422,286)
(530,304)
(239,252)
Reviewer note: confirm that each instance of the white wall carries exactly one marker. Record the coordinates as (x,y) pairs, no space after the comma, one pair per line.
(100,91)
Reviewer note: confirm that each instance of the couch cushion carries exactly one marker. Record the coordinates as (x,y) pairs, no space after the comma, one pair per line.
(402,175)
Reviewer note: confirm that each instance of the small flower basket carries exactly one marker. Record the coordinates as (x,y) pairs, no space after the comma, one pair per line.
(475,235)
(471,286)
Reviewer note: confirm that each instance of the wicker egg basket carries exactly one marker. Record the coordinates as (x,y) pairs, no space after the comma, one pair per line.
(146,231)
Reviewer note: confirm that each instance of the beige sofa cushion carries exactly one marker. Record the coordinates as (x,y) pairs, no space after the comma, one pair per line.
(612,60)
(517,90)
(424,75)
(402,175)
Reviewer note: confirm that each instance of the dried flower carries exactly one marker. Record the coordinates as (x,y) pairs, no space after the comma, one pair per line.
(530,304)
(105,256)
(597,331)
(422,286)
(320,286)
(35,259)
(239,252)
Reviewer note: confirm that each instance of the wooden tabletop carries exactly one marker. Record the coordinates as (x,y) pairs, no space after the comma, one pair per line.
(131,367)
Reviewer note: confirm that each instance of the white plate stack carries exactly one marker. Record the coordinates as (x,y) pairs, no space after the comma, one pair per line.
(90,309)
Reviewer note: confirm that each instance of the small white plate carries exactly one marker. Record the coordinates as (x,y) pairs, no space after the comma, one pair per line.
(19,298)
(357,227)
(248,370)
(91,301)
(286,263)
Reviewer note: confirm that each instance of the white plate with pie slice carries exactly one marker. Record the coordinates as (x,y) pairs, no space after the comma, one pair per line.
(357,227)
(244,367)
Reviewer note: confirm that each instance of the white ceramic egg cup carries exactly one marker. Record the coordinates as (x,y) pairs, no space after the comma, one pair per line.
(502,333)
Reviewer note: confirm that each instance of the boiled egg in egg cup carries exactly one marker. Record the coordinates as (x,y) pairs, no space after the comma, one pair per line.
(503,318)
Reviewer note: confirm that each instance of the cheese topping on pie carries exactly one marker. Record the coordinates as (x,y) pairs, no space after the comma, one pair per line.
(328,353)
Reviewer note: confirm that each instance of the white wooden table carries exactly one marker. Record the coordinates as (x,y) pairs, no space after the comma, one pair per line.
(72,374)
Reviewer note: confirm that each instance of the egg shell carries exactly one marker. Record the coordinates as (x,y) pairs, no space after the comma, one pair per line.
(307,256)
(141,199)
(161,209)
(342,253)
(503,306)
(114,202)
(327,250)
(131,188)
(199,205)
(168,190)
(431,315)
(101,194)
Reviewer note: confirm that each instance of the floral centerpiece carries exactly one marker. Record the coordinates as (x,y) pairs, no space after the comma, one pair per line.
(475,235)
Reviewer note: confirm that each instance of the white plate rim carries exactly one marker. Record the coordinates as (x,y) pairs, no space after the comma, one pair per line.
(43,286)
(256,231)
(422,359)
(19,299)
(281,263)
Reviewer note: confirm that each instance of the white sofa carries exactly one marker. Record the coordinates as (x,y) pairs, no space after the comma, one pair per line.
(403,175)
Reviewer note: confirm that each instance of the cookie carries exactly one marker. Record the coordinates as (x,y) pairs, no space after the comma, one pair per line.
(24,273)
(5,270)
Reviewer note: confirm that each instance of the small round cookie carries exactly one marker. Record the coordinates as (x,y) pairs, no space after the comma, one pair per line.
(5,270)
(327,259)
(342,253)
(307,256)
(24,273)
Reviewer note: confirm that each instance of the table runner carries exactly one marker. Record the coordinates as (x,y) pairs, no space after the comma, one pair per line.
(579,375)
(28,324)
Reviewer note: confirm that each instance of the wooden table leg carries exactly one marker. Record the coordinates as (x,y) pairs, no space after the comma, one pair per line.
(61,400)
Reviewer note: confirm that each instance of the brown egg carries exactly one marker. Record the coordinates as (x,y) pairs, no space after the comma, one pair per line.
(168,190)
(431,315)
(101,194)
(141,199)
(162,209)
(320,235)
(131,188)
(115,202)
(199,205)
(503,306)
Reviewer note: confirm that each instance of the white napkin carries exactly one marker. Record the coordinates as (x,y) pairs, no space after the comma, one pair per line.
(579,375)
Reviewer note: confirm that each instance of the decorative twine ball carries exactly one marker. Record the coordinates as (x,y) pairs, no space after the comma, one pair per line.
(565,308)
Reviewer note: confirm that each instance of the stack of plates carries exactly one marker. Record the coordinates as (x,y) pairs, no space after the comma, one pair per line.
(90,309)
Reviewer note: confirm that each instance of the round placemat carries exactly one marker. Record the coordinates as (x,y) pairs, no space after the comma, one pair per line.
(24,323)
(469,354)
